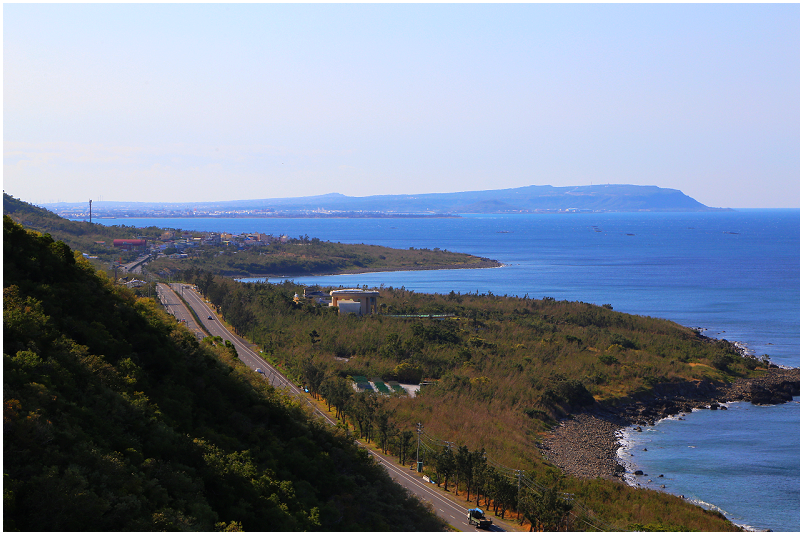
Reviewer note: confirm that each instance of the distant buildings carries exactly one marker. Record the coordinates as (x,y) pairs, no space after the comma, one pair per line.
(321,298)
(349,301)
(355,301)
(131,245)
(184,242)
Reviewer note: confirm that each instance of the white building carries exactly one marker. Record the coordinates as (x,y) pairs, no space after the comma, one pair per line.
(355,301)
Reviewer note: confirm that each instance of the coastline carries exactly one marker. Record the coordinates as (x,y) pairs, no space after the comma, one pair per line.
(586,444)
(482,264)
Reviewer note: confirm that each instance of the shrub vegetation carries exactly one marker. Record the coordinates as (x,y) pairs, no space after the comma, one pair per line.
(502,371)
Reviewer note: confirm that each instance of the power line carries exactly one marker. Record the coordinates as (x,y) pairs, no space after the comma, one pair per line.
(521,478)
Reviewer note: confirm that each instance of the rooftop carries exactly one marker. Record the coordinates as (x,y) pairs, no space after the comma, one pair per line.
(355,291)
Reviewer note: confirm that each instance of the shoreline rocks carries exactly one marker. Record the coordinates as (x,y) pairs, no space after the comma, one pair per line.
(586,444)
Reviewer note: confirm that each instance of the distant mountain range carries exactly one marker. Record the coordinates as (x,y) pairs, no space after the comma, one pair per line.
(529,199)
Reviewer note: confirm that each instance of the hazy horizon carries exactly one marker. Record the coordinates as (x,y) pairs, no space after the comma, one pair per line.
(203,102)
(97,203)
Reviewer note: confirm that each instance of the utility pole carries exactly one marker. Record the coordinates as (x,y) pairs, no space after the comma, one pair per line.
(419,437)
(519,491)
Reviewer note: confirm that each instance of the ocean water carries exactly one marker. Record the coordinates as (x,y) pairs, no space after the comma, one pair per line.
(743,462)
(735,274)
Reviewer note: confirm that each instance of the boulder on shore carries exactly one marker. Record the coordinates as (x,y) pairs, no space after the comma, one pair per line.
(586,444)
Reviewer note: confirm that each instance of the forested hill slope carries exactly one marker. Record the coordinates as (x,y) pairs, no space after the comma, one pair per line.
(117,419)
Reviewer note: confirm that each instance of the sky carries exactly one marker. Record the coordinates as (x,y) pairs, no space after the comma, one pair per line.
(202,102)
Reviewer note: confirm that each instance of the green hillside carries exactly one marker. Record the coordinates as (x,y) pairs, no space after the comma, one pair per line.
(117,419)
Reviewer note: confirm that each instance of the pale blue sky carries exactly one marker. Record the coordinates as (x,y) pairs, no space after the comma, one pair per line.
(198,102)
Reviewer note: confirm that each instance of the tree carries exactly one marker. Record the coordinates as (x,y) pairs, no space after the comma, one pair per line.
(505,494)
(469,470)
(314,335)
(491,486)
(204,282)
(545,509)
(445,465)
(337,392)
(406,372)
(386,428)
(462,468)
(527,506)
(478,473)
(363,408)
(404,441)
(313,375)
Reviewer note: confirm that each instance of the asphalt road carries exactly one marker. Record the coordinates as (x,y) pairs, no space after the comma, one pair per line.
(176,307)
(215,328)
(136,265)
(452,512)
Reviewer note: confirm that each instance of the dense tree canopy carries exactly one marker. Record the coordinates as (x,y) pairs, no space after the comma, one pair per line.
(117,419)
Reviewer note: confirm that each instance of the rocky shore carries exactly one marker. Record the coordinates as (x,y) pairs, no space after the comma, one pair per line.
(586,444)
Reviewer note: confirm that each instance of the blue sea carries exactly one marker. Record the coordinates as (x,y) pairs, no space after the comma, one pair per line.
(734,274)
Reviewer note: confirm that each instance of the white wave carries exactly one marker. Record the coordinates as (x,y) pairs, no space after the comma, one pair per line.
(708,506)
(628,440)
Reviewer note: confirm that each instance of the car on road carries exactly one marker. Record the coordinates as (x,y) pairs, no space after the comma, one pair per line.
(210,318)
(259,370)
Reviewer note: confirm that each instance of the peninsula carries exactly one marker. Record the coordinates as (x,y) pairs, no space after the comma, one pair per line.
(250,254)
(529,199)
